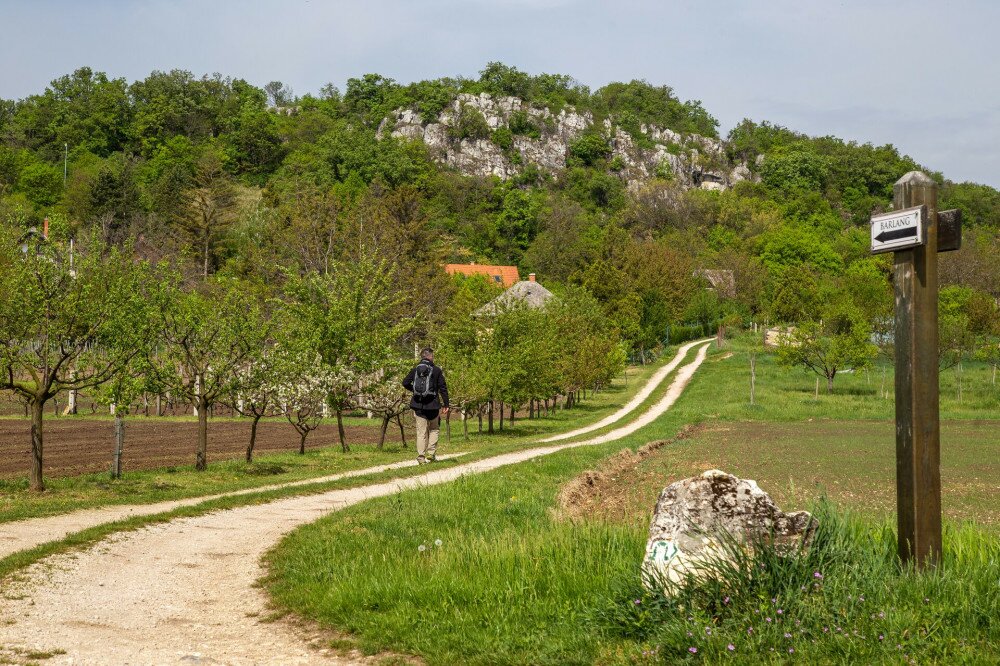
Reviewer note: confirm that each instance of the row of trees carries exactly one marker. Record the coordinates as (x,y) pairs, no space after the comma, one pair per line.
(91,317)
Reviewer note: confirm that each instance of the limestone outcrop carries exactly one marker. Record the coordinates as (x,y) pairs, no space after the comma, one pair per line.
(690,160)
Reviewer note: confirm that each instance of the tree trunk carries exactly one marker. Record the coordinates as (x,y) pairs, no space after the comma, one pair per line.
(501,416)
(253,437)
(302,441)
(402,432)
(994,374)
(490,415)
(201,457)
(531,409)
(511,416)
(340,431)
(829,384)
(385,426)
(36,483)
(447,426)
(465,425)
(753,376)
(479,414)
(159,405)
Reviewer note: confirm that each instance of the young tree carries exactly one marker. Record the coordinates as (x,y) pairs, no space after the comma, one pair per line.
(842,341)
(254,392)
(206,337)
(305,387)
(66,327)
(348,317)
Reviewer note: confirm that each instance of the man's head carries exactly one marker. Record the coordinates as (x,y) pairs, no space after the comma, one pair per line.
(427,354)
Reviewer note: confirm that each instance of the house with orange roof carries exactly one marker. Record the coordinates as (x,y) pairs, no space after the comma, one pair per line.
(506,276)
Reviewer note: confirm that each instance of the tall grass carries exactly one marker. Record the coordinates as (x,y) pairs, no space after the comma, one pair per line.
(844,599)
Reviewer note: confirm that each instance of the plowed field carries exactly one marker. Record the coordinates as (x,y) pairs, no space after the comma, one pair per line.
(78,446)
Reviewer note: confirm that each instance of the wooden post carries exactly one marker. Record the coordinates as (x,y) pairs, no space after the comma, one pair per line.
(116,464)
(918,435)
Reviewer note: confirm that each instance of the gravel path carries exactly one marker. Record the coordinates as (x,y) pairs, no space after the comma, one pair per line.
(184,591)
(24,534)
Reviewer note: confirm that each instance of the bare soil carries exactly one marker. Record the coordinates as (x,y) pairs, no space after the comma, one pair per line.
(852,463)
(79,446)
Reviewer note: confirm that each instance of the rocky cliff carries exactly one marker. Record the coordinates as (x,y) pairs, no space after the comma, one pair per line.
(517,134)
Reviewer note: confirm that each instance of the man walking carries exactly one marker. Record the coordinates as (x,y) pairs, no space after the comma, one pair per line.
(430,399)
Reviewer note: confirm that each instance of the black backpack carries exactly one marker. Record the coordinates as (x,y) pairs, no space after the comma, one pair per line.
(424,385)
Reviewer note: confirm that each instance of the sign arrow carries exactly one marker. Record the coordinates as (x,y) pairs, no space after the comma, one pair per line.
(896,234)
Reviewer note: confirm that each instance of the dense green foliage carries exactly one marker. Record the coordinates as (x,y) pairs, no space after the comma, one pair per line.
(207,176)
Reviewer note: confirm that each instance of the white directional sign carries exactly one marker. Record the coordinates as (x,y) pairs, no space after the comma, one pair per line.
(899,230)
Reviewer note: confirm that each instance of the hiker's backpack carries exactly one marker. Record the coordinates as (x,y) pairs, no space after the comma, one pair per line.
(424,385)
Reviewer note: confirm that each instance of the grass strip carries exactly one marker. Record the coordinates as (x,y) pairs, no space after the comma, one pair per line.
(482,571)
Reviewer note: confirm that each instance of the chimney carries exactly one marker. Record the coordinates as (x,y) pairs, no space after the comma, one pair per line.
(531,277)
(45,229)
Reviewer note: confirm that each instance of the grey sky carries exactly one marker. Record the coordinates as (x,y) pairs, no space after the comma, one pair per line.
(926,79)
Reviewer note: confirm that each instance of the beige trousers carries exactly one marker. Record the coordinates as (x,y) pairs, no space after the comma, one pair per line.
(427,436)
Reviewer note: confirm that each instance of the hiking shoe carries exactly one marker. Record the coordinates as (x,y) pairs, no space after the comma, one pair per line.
(421,461)
(432,459)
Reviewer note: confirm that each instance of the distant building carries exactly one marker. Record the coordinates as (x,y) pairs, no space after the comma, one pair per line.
(505,276)
(527,292)
(721,281)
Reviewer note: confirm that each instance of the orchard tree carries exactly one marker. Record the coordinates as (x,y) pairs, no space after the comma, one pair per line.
(841,341)
(254,391)
(206,337)
(304,387)
(66,326)
(350,317)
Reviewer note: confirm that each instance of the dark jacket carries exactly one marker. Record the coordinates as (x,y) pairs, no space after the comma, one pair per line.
(431,403)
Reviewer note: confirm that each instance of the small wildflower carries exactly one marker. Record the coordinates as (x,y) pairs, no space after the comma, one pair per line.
(708,631)
(817,574)
(787,635)
(826,630)
(781,612)
(637,602)
(693,650)
(726,600)
(861,598)
(750,630)
(438,542)
(881,614)
(690,634)
(881,637)
(926,600)
(731,647)
(791,650)
(421,548)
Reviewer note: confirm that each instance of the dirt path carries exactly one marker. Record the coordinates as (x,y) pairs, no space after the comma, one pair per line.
(632,404)
(184,591)
(25,534)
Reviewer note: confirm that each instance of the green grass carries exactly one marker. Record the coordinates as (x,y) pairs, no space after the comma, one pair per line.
(844,600)
(513,584)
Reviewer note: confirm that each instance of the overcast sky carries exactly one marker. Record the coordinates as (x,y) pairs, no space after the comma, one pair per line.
(926,79)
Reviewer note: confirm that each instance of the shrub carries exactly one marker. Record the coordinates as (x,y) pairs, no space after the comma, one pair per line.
(469,124)
(588,150)
(521,124)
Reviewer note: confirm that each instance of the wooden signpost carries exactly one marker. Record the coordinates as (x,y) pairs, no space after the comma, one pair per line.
(916,232)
